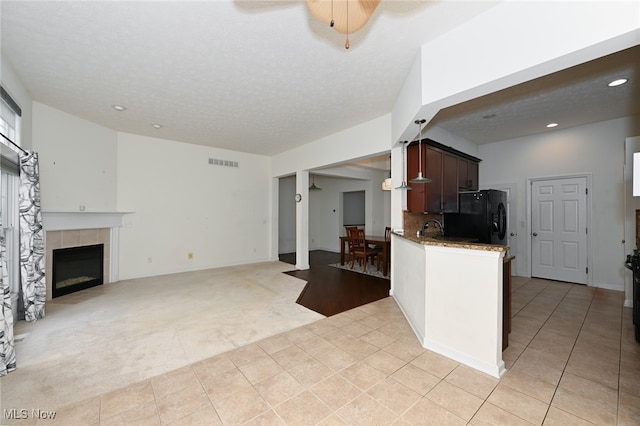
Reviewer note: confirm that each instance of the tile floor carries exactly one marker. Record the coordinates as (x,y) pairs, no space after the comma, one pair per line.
(572,360)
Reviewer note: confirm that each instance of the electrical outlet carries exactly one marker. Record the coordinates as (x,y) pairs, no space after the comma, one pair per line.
(189,255)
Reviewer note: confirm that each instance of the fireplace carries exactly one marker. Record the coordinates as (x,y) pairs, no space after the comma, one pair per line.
(83,228)
(77,268)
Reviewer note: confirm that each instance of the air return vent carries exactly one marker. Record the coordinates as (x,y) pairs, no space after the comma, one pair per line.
(224,163)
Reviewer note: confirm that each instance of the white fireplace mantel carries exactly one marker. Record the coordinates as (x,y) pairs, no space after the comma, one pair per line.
(65,221)
(69,221)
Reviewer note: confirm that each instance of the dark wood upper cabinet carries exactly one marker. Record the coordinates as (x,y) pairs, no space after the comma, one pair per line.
(449,183)
(433,189)
(467,174)
(449,170)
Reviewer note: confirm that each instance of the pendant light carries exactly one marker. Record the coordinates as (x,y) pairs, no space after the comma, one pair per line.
(420,178)
(313,186)
(404,185)
(386,184)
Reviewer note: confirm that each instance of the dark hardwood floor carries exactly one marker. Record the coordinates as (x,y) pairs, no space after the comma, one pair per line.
(330,290)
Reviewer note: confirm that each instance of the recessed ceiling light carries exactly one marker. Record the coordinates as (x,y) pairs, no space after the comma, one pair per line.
(118,107)
(156,125)
(552,125)
(618,82)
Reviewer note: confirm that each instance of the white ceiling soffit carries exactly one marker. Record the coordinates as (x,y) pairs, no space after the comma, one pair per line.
(576,96)
(251,76)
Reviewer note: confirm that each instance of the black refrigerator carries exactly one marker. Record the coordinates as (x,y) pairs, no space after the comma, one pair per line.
(482,216)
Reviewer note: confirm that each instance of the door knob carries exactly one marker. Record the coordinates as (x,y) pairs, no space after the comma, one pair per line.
(535,234)
(513,234)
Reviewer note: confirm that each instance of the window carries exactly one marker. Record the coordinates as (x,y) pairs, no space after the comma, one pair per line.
(10,228)
(8,122)
(10,114)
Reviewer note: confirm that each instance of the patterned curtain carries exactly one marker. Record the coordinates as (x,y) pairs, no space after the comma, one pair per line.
(7,350)
(34,290)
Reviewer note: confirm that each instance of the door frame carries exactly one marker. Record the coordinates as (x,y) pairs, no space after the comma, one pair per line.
(589,212)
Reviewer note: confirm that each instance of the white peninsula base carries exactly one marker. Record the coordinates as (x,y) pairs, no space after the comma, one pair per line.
(451,294)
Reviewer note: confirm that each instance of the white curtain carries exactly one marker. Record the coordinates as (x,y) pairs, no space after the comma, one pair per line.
(34,290)
(7,349)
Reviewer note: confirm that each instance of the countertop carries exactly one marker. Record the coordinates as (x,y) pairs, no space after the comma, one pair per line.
(454,242)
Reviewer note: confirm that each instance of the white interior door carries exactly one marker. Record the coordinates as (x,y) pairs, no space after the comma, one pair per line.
(559,229)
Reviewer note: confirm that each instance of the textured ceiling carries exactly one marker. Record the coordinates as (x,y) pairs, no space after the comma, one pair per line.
(264,76)
(252,76)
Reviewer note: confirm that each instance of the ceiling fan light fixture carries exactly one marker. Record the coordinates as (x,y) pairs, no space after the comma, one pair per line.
(344,16)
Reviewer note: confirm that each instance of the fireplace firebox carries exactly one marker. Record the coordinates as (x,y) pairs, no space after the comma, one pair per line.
(77,268)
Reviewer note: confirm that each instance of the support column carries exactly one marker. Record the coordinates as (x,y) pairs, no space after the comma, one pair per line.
(302,220)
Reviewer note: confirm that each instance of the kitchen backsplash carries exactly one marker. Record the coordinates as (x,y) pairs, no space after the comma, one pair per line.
(413,222)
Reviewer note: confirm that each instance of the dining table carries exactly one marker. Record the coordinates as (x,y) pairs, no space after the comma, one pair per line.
(370,240)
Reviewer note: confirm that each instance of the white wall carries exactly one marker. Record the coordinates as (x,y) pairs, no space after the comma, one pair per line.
(77,161)
(183,204)
(597,149)
(364,140)
(14,87)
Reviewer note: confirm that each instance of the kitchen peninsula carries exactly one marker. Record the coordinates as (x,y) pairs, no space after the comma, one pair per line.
(451,292)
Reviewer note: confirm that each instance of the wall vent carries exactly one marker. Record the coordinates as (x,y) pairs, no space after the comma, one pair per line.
(224,163)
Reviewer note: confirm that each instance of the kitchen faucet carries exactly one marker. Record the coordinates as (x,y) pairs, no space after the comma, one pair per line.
(425,226)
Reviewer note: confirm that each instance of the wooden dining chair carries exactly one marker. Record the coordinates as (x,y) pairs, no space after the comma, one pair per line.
(387,240)
(359,249)
(348,230)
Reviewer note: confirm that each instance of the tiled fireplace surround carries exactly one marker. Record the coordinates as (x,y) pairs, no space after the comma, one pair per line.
(73,229)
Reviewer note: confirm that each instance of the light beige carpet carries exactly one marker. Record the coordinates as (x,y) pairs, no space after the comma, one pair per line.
(113,335)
